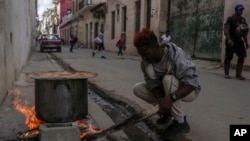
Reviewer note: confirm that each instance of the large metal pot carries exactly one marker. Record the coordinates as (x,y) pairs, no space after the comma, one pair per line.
(61,96)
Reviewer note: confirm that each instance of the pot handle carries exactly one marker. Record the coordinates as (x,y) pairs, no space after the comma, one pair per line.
(61,83)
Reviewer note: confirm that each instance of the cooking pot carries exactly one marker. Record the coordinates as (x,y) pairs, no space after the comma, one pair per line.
(61,96)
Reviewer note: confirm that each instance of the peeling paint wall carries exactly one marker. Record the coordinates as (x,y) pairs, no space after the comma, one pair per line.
(196,26)
(17,23)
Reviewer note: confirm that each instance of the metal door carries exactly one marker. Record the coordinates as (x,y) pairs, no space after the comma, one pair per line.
(199,33)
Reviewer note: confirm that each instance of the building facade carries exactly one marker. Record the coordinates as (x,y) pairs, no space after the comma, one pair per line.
(196,26)
(131,16)
(17,36)
(50,22)
(80,21)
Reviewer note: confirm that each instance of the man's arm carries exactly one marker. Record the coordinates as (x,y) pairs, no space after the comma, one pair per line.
(183,90)
(165,101)
(226,33)
(160,40)
(246,41)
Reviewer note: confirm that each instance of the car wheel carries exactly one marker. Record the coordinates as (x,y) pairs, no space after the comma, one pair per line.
(59,49)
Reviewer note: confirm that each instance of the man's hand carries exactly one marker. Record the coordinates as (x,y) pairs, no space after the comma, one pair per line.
(165,104)
(247,46)
(230,43)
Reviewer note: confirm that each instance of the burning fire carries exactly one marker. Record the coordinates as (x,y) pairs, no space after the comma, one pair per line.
(87,128)
(31,120)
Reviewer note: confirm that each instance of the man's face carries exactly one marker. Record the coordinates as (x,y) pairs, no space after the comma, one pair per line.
(239,12)
(150,55)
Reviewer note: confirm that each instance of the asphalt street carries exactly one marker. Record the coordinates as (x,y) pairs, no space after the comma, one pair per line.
(222,102)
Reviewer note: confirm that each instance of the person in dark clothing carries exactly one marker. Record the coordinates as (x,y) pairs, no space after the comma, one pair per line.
(76,42)
(71,41)
(236,29)
(121,44)
(62,40)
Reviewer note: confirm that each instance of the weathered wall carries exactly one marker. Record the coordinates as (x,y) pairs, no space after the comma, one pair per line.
(157,23)
(130,28)
(229,10)
(88,26)
(196,26)
(17,23)
(64,5)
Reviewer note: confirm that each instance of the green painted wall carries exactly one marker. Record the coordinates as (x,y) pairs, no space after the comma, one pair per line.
(199,33)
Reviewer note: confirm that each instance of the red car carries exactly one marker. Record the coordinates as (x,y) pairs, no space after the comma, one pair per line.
(50,42)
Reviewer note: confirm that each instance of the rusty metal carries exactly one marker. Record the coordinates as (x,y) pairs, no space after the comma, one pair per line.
(62,75)
(61,96)
(28,135)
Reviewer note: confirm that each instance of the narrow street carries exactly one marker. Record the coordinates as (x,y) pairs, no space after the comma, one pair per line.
(221,102)
(52,91)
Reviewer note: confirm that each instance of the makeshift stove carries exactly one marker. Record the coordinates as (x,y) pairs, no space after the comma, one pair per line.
(71,131)
(61,108)
(61,104)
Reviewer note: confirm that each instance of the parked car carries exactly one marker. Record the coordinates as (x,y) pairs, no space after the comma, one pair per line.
(50,42)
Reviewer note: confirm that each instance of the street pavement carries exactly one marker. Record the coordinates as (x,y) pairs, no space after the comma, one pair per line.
(222,102)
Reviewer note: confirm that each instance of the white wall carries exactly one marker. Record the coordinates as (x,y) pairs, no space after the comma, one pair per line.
(17,24)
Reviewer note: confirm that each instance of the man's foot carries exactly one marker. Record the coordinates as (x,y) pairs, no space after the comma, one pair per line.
(93,54)
(240,77)
(175,129)
(227,77)
(103,57)
(164,119)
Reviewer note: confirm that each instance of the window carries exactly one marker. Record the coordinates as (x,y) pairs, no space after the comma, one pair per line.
(113,25)
(148,13)
(137,15)
(124,19)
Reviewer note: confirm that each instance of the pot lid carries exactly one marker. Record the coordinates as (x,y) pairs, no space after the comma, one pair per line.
(61,75)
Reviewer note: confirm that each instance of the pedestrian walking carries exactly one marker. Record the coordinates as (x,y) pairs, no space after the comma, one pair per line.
(99,43)
(121,44)
(170,79)
(71,41)
(236,29)
(76,42)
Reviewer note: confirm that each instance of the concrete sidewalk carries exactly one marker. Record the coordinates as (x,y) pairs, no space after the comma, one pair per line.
(12,122)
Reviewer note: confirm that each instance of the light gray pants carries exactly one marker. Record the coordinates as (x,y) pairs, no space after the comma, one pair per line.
(170,84)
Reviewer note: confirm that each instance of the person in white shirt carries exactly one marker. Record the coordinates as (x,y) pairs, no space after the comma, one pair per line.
(165,38)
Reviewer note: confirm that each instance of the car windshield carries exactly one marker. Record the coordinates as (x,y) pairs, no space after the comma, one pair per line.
(52,37)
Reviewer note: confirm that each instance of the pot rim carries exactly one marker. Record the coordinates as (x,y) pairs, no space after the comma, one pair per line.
(61,75)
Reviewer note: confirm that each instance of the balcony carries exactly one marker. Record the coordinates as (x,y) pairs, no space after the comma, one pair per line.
(84,3)
(55,1)
(66,18)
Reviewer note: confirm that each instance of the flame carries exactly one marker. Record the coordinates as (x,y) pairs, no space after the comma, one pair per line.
(88,127)
(33,122)
(29,112)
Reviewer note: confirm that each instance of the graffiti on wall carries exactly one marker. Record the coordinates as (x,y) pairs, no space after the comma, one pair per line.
(199,33)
